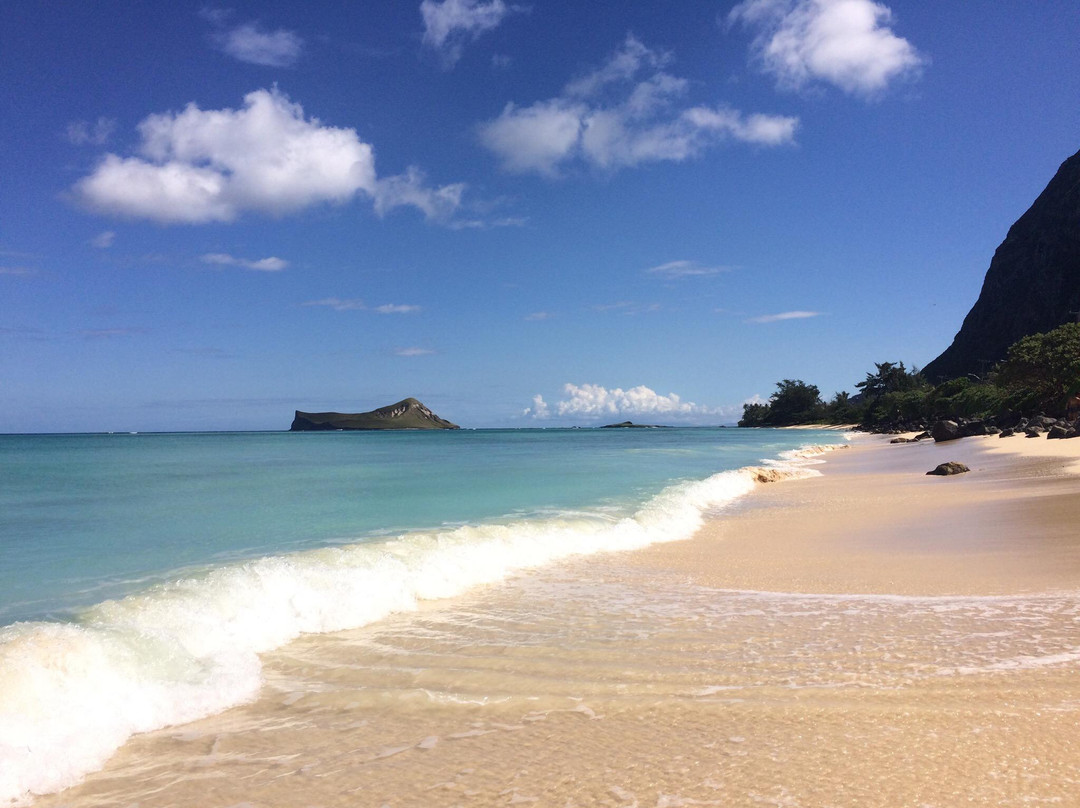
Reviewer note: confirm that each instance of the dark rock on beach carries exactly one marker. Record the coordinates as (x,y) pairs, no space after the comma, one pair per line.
(948,469)
(406,414)
(942,431)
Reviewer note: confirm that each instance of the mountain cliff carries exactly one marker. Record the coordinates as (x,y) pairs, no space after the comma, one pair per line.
(407,414)
(1032,285)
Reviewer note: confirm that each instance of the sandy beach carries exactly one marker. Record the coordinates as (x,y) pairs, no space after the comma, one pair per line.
(868,637)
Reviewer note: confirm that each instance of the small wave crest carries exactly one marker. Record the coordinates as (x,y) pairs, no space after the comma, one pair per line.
(72,693)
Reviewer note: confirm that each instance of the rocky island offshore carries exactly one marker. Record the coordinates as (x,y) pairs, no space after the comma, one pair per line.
(406,414)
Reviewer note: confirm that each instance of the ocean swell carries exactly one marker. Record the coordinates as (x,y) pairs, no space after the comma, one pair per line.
(72,693)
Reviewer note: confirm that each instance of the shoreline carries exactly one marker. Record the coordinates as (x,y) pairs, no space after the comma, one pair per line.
(867,637)
(874,523)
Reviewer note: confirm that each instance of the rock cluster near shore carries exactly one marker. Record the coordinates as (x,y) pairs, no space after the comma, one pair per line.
(946,430)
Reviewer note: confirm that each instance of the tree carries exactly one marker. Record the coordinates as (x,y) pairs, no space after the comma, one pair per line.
(755,414)
(890,378)
(1041,371)
(795,402)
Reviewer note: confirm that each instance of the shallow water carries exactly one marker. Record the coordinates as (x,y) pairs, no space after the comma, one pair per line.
(634,687)
(168,564)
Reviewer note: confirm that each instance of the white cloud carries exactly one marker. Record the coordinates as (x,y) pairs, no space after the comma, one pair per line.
(112,333)
(616,117)
(437,204)
(103,240)
(199,166)
(785,315)
(413,352)
(271,264)
(539,316)
(356,304)
(539,409)
(597,401)
(536,138)
(248,43)
(674,270)
(96,134)
(338,304)
(211,165)
(449,25)
(847,43)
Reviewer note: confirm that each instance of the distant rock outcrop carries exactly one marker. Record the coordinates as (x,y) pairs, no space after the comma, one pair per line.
(1032,285)
(407,414)
(630,425)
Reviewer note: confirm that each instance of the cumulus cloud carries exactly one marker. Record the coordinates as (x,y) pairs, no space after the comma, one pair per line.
(96,134)
(210,165)
(270,264)
(624,113)
(199,166)
(451,24)
(847,43)
(103,240)
(784,315)
(597,401)
(674,270)
(249,43)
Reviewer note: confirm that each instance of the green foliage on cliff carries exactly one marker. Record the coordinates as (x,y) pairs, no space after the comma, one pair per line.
(1042,370)
(1038,375)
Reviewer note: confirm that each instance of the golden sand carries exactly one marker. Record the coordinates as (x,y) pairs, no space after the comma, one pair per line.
(870,637)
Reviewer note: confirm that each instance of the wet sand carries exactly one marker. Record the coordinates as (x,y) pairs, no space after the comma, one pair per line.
(870,637)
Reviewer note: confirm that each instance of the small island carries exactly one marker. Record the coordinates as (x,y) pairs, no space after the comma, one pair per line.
(406,414)
(631,425)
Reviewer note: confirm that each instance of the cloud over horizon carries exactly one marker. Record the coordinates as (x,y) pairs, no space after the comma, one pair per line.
(595,401)
(198,166)
(846,43)
(625,113)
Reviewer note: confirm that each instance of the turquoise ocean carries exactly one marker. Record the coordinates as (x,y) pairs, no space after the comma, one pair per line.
(141,575)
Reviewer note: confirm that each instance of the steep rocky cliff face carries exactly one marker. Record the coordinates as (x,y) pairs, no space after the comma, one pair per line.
(1032,285)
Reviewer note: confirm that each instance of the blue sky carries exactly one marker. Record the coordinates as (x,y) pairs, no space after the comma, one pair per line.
(527,214)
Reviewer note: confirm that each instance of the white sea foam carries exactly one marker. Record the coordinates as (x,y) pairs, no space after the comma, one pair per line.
(71,694)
